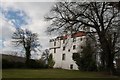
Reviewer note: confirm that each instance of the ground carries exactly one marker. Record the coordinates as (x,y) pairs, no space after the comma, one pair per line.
(51,73)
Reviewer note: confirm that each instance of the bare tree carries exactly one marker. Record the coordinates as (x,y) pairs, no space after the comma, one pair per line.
(104,18)
(26,39)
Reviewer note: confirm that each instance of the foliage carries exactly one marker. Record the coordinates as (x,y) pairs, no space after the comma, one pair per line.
(26,39)
(45,56)
(32,64)
(51,62)
(36,64)
(86,59)
(9,64)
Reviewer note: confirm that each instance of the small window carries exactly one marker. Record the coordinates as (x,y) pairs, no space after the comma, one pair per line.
(68,50)
(71,66)
(63,57)
(54,43)
(63,41)
(80,39)
(81,47)
(74,46)
(63,48)
(75,55)
(54,50)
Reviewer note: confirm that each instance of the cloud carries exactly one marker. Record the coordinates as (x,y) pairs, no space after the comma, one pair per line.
(17,16)
(7,30)
(36,12)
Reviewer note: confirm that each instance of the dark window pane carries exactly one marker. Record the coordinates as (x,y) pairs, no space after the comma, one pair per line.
(54,50)
(63,48)
(54,43)
(71,66)
(75,55)
(68,50)
(74,46)
(63,57)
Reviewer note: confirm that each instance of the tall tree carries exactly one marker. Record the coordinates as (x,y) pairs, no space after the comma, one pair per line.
(45,56)
(51,62)
(26,39)
(104,18)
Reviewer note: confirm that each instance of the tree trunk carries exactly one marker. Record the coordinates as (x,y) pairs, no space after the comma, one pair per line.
(108,57)
(27,56)
(103,63)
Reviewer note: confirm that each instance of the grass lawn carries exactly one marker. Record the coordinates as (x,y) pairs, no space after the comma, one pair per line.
(51,73)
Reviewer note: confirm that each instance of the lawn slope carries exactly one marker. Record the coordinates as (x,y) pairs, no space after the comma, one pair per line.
(51,73)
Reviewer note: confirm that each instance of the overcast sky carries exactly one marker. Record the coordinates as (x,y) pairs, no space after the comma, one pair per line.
(28,15)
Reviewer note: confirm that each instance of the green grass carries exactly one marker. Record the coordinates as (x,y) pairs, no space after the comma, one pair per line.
(51,73)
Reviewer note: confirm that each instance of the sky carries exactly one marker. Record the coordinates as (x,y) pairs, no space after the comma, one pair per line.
(29,15)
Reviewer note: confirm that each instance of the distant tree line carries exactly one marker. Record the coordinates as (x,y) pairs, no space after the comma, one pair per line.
(46,61)
(32,64)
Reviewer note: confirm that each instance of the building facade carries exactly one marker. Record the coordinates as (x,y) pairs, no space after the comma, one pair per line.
(64,47)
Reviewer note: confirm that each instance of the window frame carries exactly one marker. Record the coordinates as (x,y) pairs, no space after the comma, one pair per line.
(54,50)
(63,56)
(71,66)
(63,48)
(74,47)
(55,43)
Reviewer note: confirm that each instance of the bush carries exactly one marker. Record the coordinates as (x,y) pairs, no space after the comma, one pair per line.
(10,64)
(32,64)
(51,62)
(85,61)
(36,64)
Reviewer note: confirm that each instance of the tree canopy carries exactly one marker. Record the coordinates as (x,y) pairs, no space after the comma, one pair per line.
(28,40)
(101,16)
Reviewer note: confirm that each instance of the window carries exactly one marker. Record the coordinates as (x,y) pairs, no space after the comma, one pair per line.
(54,50)
(68,50)
(75,55)
(63,48)
(74,39)
(74,46)
(63,57)
(71,66)
(54,43)
(63,41)
(81,47)
(80,39)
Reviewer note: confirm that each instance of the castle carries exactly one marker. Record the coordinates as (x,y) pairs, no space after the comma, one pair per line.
(64,47)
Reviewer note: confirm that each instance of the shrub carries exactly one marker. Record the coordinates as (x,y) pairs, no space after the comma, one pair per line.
(85,61)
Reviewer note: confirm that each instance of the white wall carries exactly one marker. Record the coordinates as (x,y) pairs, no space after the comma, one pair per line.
(65,64)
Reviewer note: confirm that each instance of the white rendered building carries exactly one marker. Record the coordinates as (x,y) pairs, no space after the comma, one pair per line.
(64,47)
